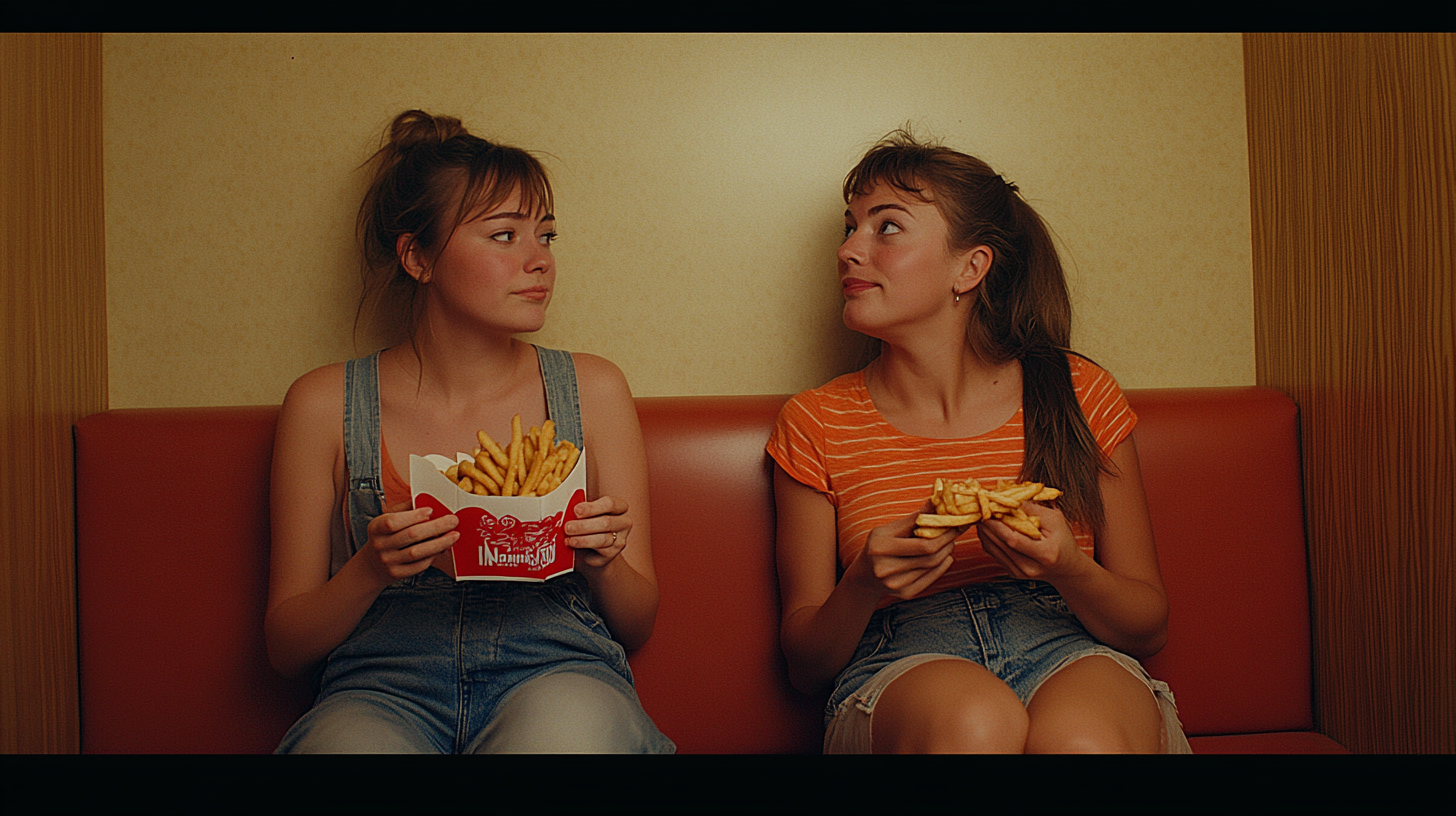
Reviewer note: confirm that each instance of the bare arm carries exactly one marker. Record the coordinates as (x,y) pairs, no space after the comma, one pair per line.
(1119,597)
(310,614)
(823,620)
(618,568)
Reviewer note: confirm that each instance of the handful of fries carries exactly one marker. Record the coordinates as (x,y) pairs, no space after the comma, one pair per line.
(960,503)
(532,465)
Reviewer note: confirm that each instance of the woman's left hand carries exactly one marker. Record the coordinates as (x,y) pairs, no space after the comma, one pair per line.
(600,532)
(1040,559)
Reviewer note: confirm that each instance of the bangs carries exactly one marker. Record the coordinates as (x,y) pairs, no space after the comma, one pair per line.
(496,173)
(902,166)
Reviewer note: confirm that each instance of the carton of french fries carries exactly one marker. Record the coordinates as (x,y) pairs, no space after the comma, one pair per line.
(513,501)
(961,503)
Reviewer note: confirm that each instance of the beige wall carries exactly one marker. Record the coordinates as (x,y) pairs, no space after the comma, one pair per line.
(697,182)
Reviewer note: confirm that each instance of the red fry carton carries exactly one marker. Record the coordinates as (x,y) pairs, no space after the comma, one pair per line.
(516,538)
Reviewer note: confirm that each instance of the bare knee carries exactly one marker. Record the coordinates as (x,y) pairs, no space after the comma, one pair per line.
(1094,705)
(977,725)
(1090,735)
(949,707)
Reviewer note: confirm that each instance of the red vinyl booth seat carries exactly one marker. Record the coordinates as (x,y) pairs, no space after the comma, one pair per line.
(172,562)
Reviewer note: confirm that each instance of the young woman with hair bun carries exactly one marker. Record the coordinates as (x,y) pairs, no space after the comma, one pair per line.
(456,235)
(980,639)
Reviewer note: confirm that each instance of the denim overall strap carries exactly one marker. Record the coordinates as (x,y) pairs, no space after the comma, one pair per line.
(558,372)
(365,498)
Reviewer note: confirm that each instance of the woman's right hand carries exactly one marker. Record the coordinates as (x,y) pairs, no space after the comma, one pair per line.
(900,564)
(404,542)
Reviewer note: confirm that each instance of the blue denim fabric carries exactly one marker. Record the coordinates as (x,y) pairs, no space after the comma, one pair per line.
(1021,631)
(436,664)
(365,498)
(563,404)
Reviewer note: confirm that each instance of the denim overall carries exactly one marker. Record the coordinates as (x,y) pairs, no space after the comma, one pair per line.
(437,665)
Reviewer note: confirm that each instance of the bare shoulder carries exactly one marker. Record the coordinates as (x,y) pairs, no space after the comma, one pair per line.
(600,380)
(312,391)
(307,483)
(314,405)
(609,414)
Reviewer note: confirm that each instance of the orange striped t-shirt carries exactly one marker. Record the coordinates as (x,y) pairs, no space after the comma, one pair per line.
(833,440)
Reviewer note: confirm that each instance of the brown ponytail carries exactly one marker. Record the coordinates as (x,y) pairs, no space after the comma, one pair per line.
(429,176)
(1021,309)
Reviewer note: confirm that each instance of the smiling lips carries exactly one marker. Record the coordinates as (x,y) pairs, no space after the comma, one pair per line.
(534,293)
(854,286)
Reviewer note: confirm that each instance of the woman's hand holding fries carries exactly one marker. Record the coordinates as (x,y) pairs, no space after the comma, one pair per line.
(599,533)
(404,542)
(897,562)
(1041,559)
(1029,540)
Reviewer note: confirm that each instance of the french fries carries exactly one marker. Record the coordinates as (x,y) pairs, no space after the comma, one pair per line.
(961,503)
(533,464)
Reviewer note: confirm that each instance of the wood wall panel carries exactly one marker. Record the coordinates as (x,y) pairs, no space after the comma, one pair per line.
(52,367)
(1353,186)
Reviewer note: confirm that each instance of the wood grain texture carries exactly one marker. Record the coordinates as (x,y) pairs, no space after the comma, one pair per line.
(53,357)
(1353,185)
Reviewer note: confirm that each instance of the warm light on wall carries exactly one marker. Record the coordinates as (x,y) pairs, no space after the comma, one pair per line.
(697,181)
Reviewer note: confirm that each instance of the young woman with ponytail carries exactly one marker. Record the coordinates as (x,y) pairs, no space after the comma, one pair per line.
(981,639)
(456,236)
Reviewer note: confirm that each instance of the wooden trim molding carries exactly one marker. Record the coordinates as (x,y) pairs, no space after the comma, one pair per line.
(53,357)
(1353,181)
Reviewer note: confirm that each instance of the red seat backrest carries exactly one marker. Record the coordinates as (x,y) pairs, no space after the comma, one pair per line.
(172,563)
(1221,468)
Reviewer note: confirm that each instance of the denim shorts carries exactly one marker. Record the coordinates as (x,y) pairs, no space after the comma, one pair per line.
(439,659)
(1021,631)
